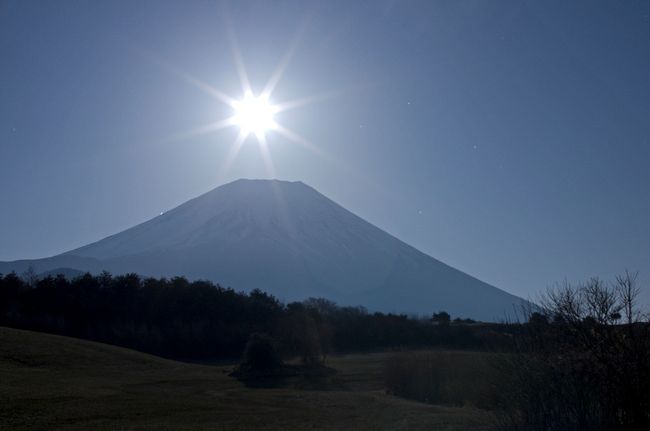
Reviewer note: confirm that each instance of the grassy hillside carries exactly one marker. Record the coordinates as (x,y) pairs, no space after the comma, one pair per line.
(52,382)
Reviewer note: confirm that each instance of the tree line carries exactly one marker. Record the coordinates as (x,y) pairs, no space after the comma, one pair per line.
(200,320)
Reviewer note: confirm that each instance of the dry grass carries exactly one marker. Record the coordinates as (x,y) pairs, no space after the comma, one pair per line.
(56,383)
(461,378)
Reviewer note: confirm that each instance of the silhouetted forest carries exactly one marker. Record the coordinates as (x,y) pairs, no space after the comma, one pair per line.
(201,321)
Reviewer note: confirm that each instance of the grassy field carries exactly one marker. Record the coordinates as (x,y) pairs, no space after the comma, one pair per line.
(51,382)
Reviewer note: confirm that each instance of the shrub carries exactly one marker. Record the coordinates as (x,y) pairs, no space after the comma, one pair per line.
(261,354)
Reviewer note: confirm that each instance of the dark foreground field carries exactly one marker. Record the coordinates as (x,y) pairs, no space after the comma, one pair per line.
(52,382)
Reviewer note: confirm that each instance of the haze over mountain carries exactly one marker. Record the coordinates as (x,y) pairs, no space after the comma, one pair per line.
(287,239)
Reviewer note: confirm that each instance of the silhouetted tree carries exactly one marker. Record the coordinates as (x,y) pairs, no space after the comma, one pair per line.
(29,276)
(441,318)
(261,354)
(538,319)
(584,371)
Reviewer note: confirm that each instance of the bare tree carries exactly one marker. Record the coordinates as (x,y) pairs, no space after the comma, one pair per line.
(30,276)
(628,292)
(584,370)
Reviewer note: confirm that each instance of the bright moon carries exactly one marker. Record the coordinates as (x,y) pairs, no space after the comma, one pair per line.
(253,114)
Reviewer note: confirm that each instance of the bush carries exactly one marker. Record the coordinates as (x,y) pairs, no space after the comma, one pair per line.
(261,354)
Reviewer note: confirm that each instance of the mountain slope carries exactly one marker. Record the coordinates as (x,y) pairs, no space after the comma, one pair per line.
(288,239)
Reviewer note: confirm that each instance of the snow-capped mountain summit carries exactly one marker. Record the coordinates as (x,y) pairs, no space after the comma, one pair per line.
(287,239)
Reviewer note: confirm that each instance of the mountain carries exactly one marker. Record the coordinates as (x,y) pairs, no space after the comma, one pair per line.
(287,239)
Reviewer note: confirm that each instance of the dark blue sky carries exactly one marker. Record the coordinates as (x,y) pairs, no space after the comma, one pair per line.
(508,139)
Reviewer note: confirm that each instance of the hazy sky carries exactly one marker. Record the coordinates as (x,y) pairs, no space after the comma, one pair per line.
(508,139)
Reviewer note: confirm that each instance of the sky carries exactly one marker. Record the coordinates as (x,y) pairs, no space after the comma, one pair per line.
(509,139)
